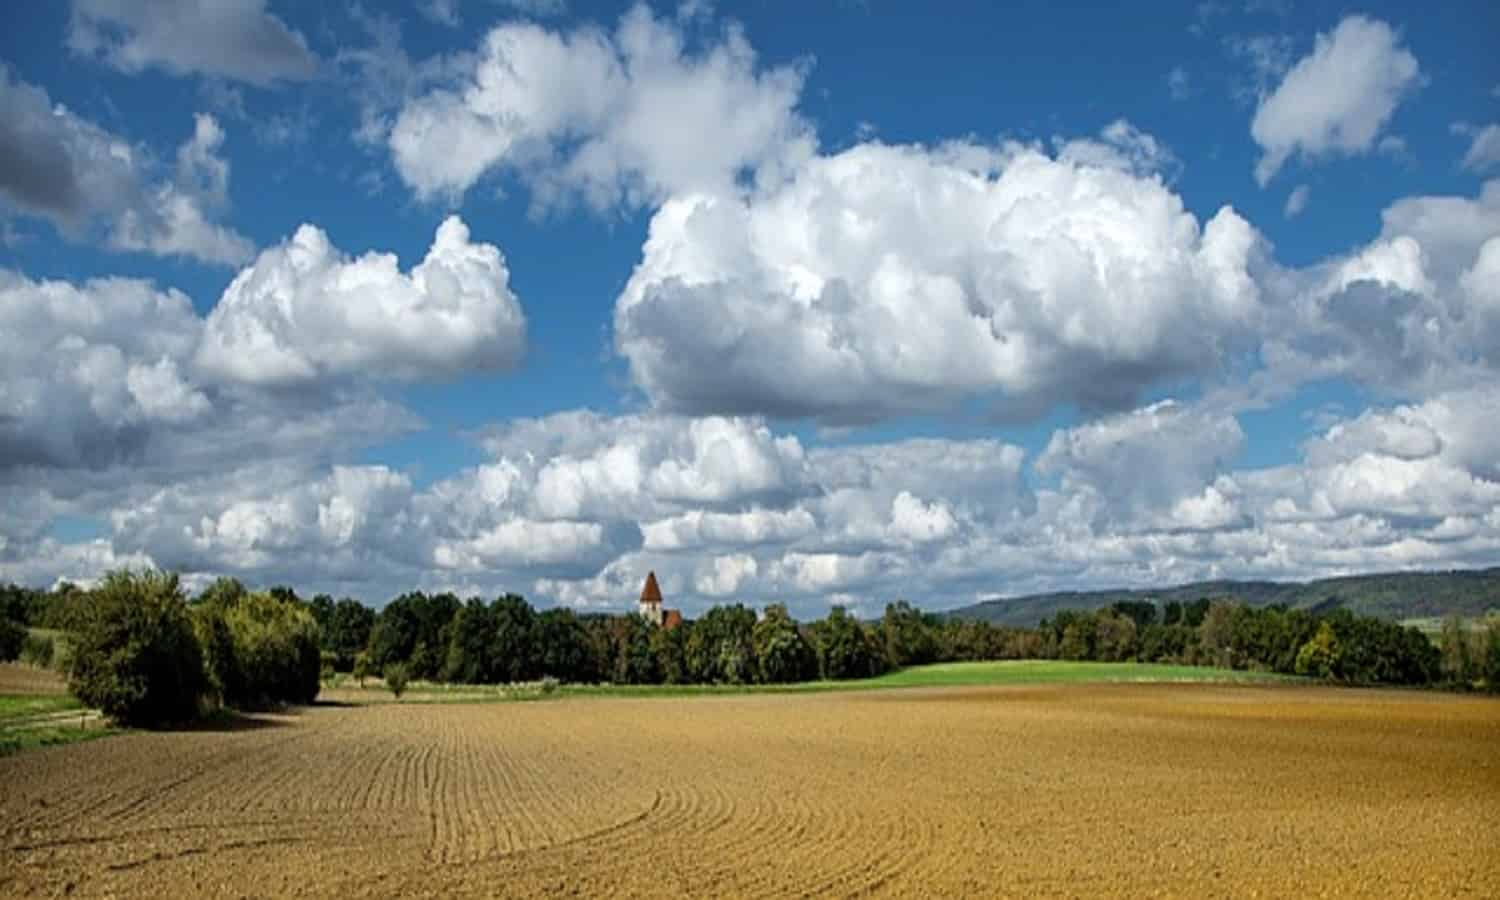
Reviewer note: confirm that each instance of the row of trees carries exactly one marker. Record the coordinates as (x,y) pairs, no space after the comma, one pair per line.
(437,637)
(142,652)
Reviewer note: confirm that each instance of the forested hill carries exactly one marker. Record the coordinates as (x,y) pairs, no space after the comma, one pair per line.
(1391,595)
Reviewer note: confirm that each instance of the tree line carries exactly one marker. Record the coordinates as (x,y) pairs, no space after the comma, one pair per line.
(137,632)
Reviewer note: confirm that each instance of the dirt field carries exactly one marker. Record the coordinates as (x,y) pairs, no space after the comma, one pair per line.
(17,678)
(1126,790)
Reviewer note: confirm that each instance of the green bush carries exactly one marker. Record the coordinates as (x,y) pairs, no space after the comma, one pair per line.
(220,664)
(276,655)
(12,640)
(361,667)
(135,656)
(396,677)
(1320,656)
(38,650)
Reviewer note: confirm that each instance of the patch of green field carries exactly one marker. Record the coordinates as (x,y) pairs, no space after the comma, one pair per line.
(1046,671)
(24,706)
(28,721)
(14,740)
(938,675)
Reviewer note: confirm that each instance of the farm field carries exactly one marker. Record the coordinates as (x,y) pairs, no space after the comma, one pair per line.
(1121,789)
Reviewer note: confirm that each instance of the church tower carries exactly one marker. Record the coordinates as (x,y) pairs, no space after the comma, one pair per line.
(650,605)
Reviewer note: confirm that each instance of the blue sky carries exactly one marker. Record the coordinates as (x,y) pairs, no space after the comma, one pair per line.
(838,302)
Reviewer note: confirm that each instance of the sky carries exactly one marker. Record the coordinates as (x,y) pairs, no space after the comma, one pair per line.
(814,303)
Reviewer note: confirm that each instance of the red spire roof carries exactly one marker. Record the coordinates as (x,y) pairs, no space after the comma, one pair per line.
(651,593)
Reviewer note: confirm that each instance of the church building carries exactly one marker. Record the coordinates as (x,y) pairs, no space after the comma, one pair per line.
(650,606)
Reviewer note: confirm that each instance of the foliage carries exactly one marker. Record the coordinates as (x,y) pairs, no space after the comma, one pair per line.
(1320,656)
(135,656)
(720,647)
(39,650)
(413,628)
(782,654)
(907,637)
(274,657)
(565,652)
(361,667)
(631,659)
(12,639)
(267,647)
(396,678)
(1457,657)
(1393,595)
(346,631)
(844,648)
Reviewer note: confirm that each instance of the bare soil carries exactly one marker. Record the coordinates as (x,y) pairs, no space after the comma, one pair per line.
(1076,790)
(19,678)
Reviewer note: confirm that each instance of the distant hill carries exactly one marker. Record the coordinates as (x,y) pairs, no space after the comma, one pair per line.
(1391,595)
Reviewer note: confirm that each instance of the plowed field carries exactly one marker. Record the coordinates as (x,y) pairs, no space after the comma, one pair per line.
(1079,790)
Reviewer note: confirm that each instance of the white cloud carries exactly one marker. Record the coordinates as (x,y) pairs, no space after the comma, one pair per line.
(304,310)
(88,371)
(886,279)
(696,528)
(1401,313)
(56,165)
(1337,99)
(1296,201)
(1143,498)
(620,118)
(1484,146)
(820,573)
(236,39)
(585,465)
(1145,461)
(723,575)
(174,221)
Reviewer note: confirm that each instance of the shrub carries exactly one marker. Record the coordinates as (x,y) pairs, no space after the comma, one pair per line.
(220,664)
(1320,656)
(395,678)
(276,651)
(38,650)
(12,640)
(135,656)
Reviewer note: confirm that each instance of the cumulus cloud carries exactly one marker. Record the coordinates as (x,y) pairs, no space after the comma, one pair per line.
(1338,98)
(722,576)
(1146,497)
(235,39)
(175,218)
(891,279)
(617,118)
(1407,312)
(61,167)
(101,402)
(304,310)
(582,464)
(116,370)
(89,369)
(1144,462)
